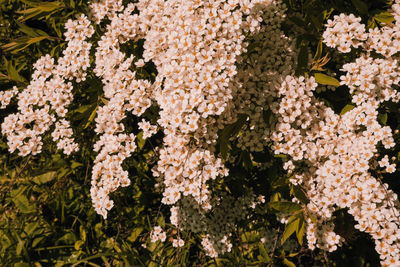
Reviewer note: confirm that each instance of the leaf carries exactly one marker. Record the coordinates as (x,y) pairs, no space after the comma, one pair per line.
(30,31)
(135,234)
(288,263)
(383,118)
(234,128)
(290,228)
(140,141)
(300,231)
(223,148)
(346,109)
(285,206)
(20,246)
(300,195)
(299,22)
(318,53)
(384,17)
(36,241)
(325,79)
(91,118)
(21,202)
(41,8)
(263,252)
(360,6)
(30,228)
(75,164)
(78,244)
(22,42)
(45,178)
(36,39)
(12,71)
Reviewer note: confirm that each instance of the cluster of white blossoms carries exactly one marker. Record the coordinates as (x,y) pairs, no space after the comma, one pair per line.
(46,98)
(344,32)
(337,149)
(6,96)
(194,45)
(62,134)
(157,234)
(147,128)
(122,93)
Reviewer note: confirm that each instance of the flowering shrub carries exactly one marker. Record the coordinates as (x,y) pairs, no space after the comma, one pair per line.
(214,115)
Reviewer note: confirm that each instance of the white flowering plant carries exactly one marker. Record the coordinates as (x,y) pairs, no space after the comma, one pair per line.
(204,133)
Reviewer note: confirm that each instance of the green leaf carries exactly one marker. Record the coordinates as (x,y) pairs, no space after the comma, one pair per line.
(384,17)
(31,227)
(346,109)
(12,71)
(285,206)
(263,252)
(234,128)
(300,231)
(37,240)
(325,79)
(318,53)
(288,263)
(300,195)
(20,246)
(290,228)
(45,178)
(30,31)
(75,164)
(21,202)
(140,141)
(360,6)
(78,244)
(135,234)
(91,118)
(383,118)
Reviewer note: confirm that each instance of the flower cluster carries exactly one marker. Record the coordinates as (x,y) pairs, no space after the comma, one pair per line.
(48,95)
(62,134)
(337,149)
(344,32)
(6,96)
(157,234)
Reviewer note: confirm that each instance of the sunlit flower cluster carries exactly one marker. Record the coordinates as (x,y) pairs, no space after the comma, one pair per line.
(344,32)
(46,98)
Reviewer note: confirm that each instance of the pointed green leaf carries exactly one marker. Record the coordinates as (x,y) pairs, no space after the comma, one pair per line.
(45,178)
(300,231)
(135,234)
(263,252)
(290,228)
(325,79)
(383,118)
(384,17)
(22,203)
(318,53)
(285,206)
(346,109)
(300,195)
(91,118)
(288,263)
